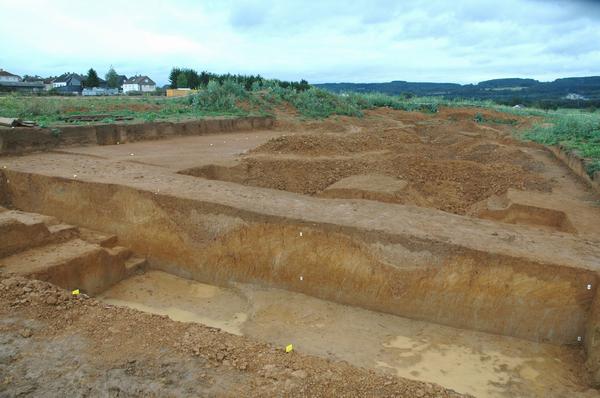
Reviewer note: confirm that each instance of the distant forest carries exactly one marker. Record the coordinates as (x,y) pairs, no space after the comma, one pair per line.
(571,92)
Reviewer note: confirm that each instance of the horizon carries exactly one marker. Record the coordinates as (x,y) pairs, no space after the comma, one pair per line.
(465,43)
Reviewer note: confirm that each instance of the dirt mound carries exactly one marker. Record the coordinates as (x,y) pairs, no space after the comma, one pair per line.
(448,184)
(450,164)
(338,144)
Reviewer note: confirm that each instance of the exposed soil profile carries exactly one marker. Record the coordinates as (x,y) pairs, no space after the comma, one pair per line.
(399,254)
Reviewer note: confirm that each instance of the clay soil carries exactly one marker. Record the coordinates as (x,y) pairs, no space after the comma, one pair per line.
(55,344)
(448,158)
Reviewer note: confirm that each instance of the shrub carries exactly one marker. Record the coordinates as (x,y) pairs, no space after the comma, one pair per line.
(219,96)
(318,103)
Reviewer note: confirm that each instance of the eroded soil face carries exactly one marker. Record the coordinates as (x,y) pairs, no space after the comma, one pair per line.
(449,160)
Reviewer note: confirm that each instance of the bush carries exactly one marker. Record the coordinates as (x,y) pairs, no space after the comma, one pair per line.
(316,103)
(219,96)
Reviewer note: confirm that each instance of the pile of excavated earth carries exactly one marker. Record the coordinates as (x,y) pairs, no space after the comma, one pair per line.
(399,254)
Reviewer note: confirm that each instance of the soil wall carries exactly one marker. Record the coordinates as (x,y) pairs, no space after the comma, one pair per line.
(428,280)
(577,165)
(14,141)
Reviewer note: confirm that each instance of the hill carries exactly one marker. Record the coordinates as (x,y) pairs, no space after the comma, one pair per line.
(572,92)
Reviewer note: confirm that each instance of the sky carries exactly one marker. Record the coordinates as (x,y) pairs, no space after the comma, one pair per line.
(462,41)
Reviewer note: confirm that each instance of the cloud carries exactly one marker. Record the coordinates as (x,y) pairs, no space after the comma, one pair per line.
(436,40)
(248,15)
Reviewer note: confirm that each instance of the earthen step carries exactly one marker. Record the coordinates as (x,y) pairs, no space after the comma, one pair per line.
(104,240)
(120,252)
(49,256)
(21,230)
(134,265)
(28,218)
(75,264)
(63,232)
(18,233)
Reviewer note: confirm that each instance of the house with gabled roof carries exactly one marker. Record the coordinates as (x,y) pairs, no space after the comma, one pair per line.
(68,79)
(6,76)
(68,83)
(12,82)
(139,83)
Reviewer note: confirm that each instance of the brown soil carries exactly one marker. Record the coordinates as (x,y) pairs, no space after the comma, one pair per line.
(526,275)
(452,161)
(55,344)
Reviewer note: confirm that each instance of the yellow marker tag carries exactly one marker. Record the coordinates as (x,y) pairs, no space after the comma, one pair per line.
(75,292)
(289,348)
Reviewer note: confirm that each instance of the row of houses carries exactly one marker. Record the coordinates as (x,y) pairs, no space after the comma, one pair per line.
(73,83)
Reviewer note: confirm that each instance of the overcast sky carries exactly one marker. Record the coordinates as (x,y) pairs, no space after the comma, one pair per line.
(463,41)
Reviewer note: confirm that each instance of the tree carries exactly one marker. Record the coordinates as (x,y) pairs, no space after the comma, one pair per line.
(192,78)
(175,72)
(182,81)
(112,78)
(91,79)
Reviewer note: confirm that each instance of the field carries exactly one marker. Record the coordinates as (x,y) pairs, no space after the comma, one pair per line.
(402,246)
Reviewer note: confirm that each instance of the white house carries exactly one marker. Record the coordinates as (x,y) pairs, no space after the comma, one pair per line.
(8,77)
(139,83)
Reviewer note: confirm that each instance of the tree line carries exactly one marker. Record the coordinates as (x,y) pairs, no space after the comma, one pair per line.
(189,78)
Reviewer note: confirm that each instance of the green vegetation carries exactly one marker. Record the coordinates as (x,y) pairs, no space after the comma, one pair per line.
(195,80)
(529,92)
(576,131)
(50,111)
(92,80)
(182,81)
(480,118)
(112,78)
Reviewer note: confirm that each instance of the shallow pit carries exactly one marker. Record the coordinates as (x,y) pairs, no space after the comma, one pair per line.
(481,364)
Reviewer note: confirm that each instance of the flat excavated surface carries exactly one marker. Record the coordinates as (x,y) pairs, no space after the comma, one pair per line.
(182,152)
(480,364)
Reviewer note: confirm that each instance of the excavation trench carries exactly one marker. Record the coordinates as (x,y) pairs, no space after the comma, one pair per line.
(486,308)
(481,364)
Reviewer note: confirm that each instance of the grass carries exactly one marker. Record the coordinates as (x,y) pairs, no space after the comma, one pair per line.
(575,130)
(49,111)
